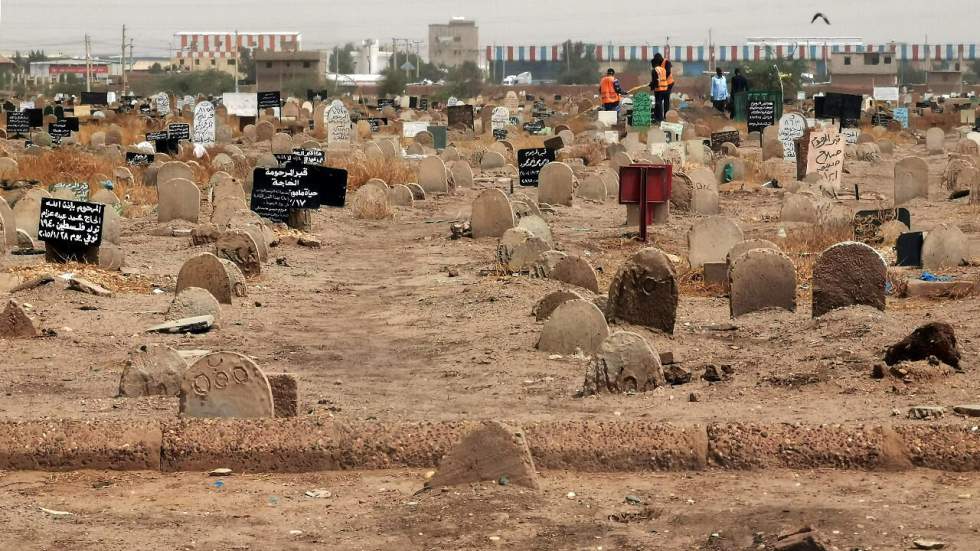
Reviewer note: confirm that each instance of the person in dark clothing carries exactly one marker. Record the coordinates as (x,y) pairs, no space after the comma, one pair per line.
(739,84)
(660,86)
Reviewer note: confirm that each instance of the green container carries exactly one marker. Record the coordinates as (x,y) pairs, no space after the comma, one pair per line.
(742,100)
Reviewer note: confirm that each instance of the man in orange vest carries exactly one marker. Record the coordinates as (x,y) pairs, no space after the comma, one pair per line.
(610,92)
(660,83)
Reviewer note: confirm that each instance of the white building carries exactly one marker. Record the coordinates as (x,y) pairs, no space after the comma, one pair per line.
(370,59)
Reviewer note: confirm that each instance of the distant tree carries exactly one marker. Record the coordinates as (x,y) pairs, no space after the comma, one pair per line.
(776,74)
(210,82)
(156,68)
(579,65)
(341,60)
(465,81)
(393,82)
(427,70)
(298,86)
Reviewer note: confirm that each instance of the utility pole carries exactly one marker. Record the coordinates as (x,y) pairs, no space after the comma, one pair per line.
(88,63)
(130,54)
(122,60)
(238,62)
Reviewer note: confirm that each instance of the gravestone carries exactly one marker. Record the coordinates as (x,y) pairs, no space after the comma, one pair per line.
(704,192)
(575,325)
(432,175)
(371,202)
(492,452)
(462,174)
(792,126)
(576,270)
(239,246)
(492,214)
(191,303)
(743,247)
(624,363)
(491,160)
(209,273)
(174,169)
(204,125)
(644,291)
(593,189)
(519,249)
(179,199)
(152,370)
(798,208)
(911,180)
(556,184)
(848,274)
(709,240)
(761,279)
(9,223)
(935,141)
(401,196)
(225,384)
(944,247)
(543,308)
(338,123)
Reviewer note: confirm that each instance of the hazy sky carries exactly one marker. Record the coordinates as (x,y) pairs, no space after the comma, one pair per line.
(59,25)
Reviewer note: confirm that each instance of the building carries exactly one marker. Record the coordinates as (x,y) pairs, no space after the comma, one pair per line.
(948,81)
(370,59)
(201,51)
(860,72)
(273,69)
(454,43)
(52,70)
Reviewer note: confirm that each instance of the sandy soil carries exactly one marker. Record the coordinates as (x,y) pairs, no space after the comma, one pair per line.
(383,510)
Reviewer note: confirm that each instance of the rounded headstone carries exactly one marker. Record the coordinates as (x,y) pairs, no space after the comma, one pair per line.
(543,308)
(798,208)
(401,196)
(225,384)
(709,240)
(179,199)
(238,246)
(575,270)
(371,202)
(574,325)
(593,188)
(193,302)
(760,279)
(207,272)
(644,291)
(848,274)
(519,250)
(492,214)
(433,176)
(556,184)
(624,362)
(944,247)
(911,179)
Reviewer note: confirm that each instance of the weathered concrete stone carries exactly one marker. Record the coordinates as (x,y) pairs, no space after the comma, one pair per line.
(208,272)
(848,274)
(575,325)
(433,176)
(945,246)
(556,184)
(625,362)
(575,270)
(537,226)
(491,452)
(761,279)
(543,308)
(519,249)
(152,370)
(709,240)
(225,384)
(644,291)
(180,199)
(15,323)
(492,214)
(192,302)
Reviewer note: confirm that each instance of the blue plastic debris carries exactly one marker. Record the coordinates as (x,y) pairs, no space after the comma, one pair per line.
(929,276)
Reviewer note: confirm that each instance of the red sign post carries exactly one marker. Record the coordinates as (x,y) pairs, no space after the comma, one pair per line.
(645,185)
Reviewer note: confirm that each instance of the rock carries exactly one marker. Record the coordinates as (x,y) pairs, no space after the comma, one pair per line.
(676,374)
(152,370)
(761,279)
(15,324)
(575,270)
(932,339)
(544,307)
(924,413)
(574,325)
(202,234)
(972,410)
(928,544)
(716,374)
(198,324)
(807,541)
(848,274)
(625,362)
(644,291)
(86,286)
(225,384)
(490,452)
(193,302)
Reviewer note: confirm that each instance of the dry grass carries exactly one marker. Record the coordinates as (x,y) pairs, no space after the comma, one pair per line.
(392,171)
(112,280)
(73,165)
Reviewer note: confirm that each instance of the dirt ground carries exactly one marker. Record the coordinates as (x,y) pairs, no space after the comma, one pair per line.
(375,328)
(383,510)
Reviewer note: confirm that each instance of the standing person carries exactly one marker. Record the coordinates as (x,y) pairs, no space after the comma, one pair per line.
(660,87)
(669,70)
(739,84)
(719,91)
(609,91)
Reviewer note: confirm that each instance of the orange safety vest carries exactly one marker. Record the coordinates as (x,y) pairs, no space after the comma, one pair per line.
(607,90)
(670,77)
(661,79)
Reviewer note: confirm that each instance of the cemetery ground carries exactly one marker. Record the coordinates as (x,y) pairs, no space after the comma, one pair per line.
(392,327)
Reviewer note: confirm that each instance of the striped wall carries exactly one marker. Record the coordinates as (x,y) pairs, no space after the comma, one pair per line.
(198,45)
(903,52)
